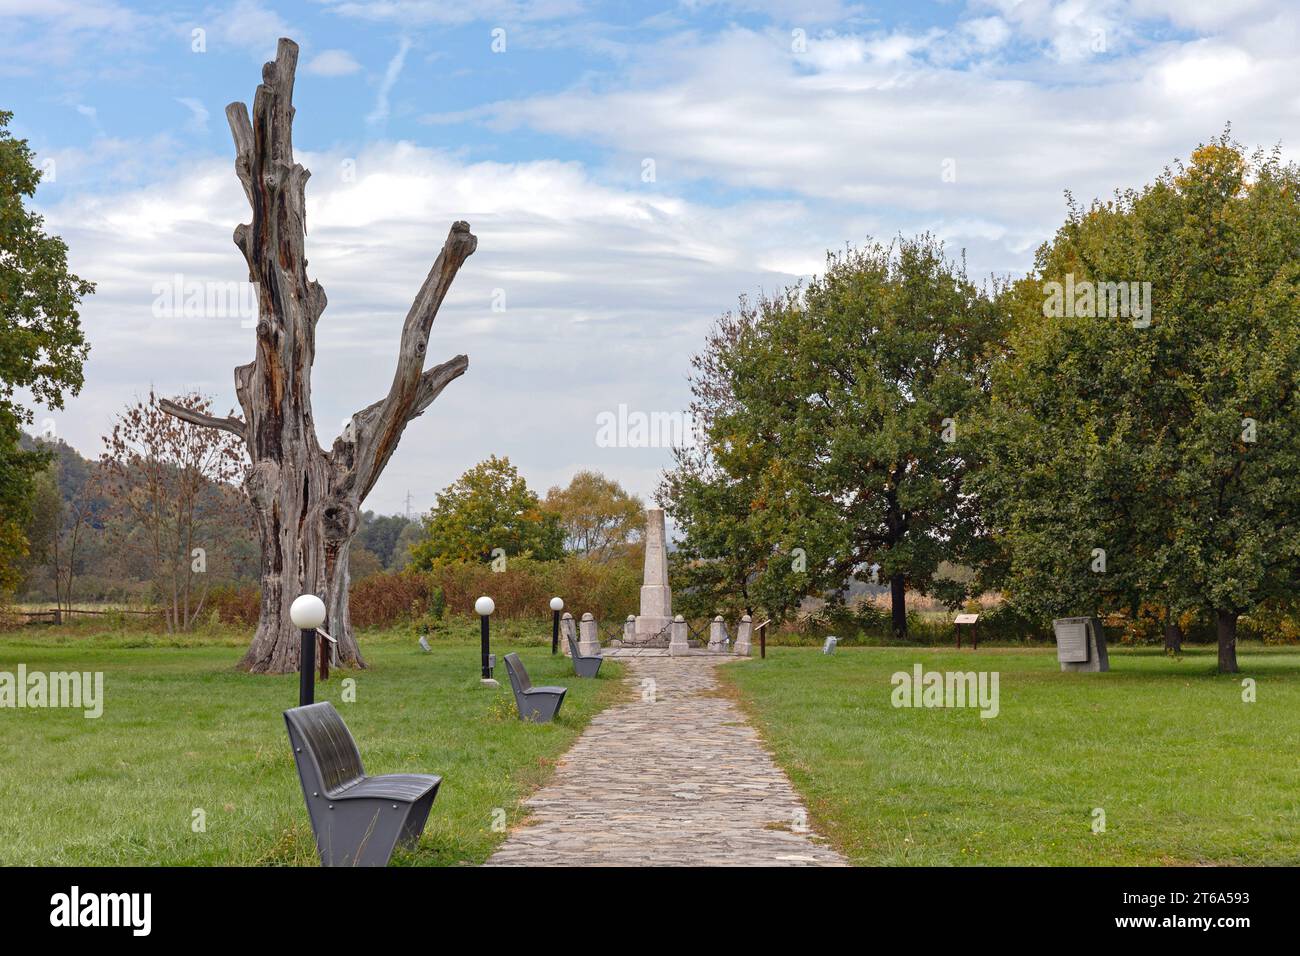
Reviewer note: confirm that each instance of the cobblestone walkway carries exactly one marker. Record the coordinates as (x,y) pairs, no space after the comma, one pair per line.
(676,777)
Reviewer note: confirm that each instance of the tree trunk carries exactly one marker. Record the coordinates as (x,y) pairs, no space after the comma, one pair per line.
(1227,628)
(307,500)
(1173,638)
(898,604)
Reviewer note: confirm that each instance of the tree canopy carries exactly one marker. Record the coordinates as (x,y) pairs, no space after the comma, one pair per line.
(597,514)
(41,344)
(834,424)
(1155,459)
(487,513)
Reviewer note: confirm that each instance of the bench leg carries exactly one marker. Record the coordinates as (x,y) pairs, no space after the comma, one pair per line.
(364,832)
(415,820)
(540,708)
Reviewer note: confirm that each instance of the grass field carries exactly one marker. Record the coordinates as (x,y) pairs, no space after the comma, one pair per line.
(1184,770)
(183,731)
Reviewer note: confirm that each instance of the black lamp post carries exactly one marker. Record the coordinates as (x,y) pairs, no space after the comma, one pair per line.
(484,607)
(307,613)
(557,605)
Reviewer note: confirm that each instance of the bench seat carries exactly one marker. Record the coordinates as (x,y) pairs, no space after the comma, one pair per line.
(402,787)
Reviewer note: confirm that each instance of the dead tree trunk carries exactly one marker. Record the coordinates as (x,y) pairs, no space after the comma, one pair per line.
(306,499)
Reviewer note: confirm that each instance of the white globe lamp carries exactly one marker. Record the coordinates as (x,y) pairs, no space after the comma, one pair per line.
(484,607)
(307,612)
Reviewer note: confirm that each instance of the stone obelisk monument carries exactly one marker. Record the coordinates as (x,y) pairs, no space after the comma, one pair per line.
(656,598)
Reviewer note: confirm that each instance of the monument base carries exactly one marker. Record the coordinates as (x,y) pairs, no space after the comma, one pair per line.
(647,630)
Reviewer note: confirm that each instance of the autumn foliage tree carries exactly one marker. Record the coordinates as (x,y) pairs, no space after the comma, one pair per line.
(597,514)
(170,481)
(487,514)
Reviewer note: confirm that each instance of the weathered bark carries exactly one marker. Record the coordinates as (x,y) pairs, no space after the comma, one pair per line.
(307,500)
(898,603)
(1227,629)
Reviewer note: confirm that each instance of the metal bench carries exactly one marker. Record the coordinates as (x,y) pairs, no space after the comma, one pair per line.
(538,704)
(357,820)
(583,666)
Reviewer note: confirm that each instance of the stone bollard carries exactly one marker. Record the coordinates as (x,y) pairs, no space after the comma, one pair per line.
(589,642)
(744,633)
(629,630)
(566,629)
(717,634)
(678,646)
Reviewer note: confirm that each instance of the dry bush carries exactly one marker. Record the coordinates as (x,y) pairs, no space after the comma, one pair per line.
(609,590)
(388,598)
(235,604)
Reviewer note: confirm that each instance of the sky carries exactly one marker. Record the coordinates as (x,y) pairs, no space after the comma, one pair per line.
(630,170)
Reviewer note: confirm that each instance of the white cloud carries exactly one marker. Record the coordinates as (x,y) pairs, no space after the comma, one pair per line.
(379,114)
(987,33)
(198,113)
(332,63)
(412,12)
(870,123)
(608,291)
(40,34)
(251,27)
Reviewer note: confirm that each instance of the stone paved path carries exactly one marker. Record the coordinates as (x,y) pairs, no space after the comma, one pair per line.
(680,781)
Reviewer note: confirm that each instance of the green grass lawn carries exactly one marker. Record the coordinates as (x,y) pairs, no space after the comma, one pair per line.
(1185,771)
(182,731)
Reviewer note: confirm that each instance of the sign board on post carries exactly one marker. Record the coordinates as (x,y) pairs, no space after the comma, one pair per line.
(967,620)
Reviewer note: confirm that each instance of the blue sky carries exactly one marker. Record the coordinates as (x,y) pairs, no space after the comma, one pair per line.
(776,130)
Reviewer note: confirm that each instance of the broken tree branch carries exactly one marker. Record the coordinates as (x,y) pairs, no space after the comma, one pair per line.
(230,424)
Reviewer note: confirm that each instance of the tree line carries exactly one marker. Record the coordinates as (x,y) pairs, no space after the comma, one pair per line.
(158,519)
(1114,433)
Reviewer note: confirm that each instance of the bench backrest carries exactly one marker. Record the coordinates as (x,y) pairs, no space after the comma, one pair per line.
(573,645)
(324,750)
(518,675)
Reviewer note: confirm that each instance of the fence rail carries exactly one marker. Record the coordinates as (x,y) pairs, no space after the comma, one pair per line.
(56,615)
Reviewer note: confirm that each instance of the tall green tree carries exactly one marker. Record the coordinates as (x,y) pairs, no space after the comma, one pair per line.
(840,415)
(717,492)
(41,344)
(379,535)
(1170,440)
(488,512)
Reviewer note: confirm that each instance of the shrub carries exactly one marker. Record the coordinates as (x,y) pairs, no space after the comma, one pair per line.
(387,598)
(235,604)
(610,590)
